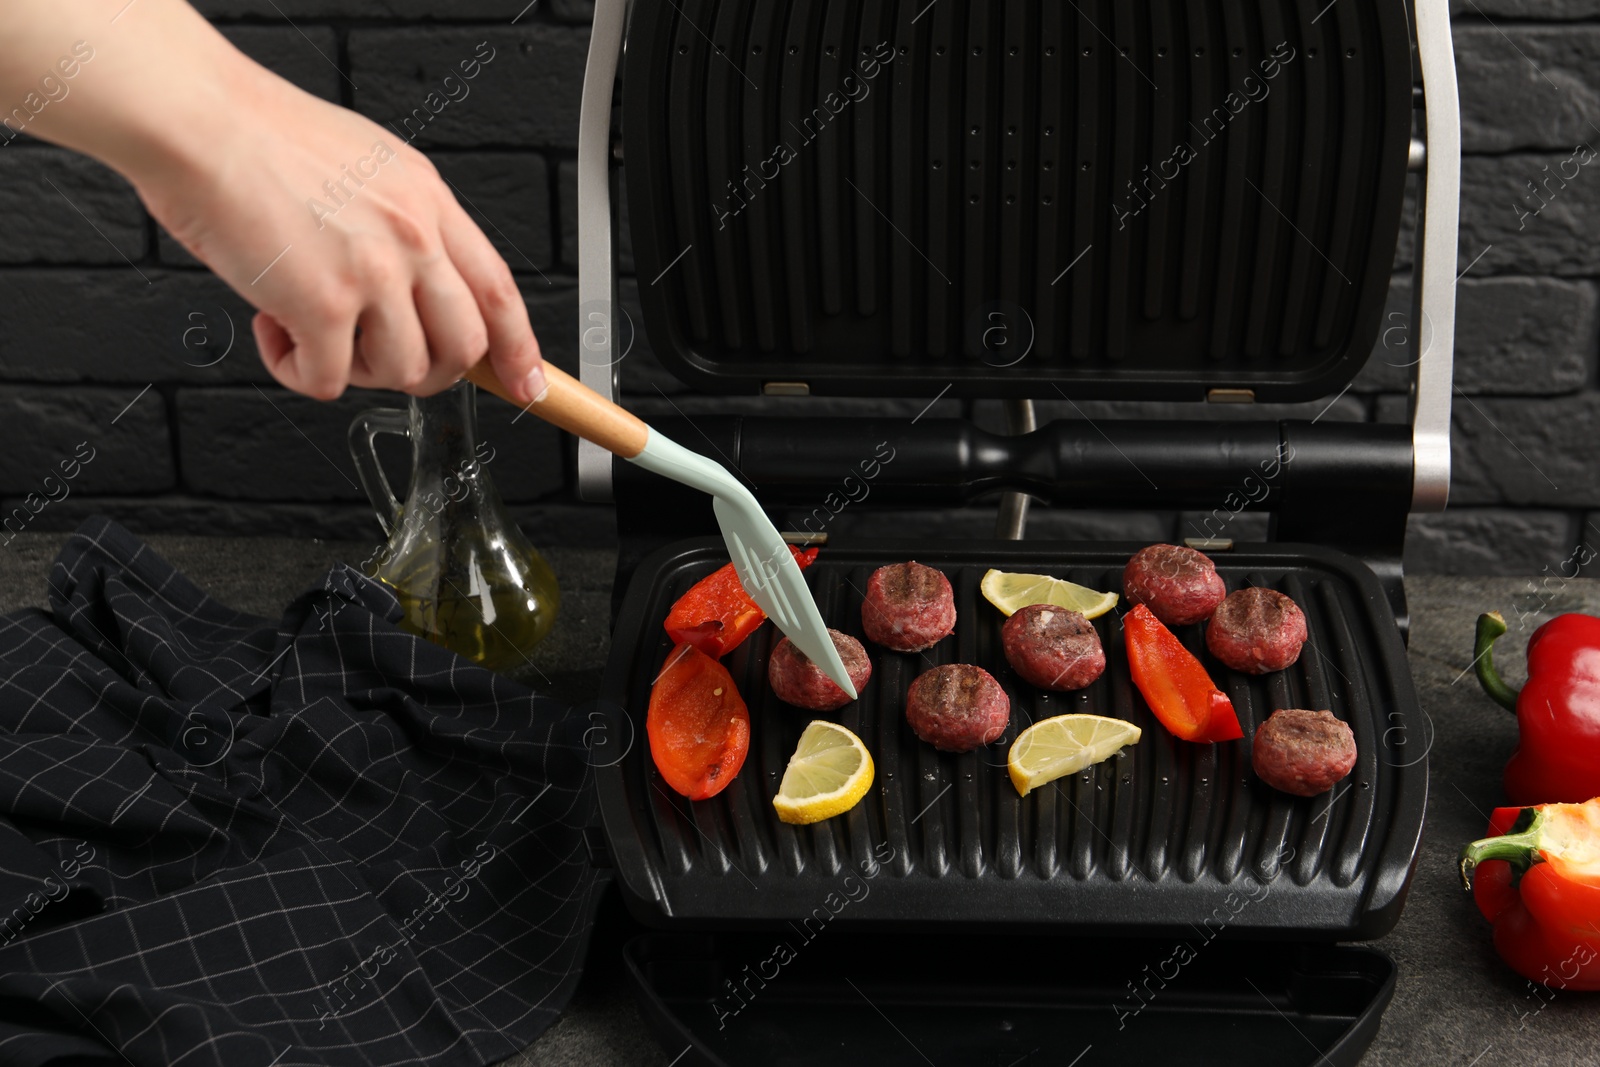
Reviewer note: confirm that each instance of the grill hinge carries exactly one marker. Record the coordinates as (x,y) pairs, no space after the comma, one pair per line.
(1209,544)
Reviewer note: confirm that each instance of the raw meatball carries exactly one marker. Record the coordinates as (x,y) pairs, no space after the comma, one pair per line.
(957,707)
(800,682)
(1256,631)
(1178,585)
(1053,648)
(908,607)
(1303,752)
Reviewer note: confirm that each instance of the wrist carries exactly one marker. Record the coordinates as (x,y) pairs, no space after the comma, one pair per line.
(180,128)
(158,97)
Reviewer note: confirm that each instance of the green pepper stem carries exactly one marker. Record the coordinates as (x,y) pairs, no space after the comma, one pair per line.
(1491,625)
(1520,849)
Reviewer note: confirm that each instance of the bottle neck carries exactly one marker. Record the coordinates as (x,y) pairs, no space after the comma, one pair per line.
(444,430)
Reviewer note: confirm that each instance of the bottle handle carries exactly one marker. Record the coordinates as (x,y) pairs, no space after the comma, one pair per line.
(364,429)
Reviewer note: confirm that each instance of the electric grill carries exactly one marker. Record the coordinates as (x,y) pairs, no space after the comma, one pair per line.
(950,161)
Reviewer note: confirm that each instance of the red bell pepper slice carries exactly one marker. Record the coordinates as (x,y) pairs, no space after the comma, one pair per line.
(698,725)
(1558,711)
(1537,879)
(1175,684)
(716,614)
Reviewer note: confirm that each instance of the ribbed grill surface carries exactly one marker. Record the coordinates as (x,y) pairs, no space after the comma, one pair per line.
(1148,197)
(1158,838)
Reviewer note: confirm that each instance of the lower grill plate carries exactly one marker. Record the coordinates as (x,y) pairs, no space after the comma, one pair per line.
(1169,837)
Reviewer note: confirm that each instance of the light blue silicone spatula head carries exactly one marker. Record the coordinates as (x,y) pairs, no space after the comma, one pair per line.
(765,565)
(766,568)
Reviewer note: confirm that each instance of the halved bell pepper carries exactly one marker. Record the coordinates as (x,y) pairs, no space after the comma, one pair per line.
(698,724)
(716,614)
(1538,881)
(1175,684)
(1558,711)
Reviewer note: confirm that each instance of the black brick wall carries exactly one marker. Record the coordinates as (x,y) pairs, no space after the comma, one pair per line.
(94,302)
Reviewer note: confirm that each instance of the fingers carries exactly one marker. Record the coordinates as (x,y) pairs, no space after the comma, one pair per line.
(457,337)
(313,359)
(513,350)
(393,348)
(416,341)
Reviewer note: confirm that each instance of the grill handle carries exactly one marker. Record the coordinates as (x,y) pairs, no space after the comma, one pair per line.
(1344,485)
(1078,463)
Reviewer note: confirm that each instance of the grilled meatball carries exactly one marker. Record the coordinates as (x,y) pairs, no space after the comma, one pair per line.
(1256,630)
(908,607)
(1303,752)
(1053,648)
(1178,585)
(957,707)
(800,682)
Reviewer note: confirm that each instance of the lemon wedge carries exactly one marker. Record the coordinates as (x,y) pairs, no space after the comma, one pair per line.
(829,772)
(1056,747)
(1012,592)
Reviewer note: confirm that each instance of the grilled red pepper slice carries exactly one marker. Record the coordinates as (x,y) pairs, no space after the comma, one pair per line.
(716,614)
(698,725)
(1558,711)
(1174,683)
(1538,881)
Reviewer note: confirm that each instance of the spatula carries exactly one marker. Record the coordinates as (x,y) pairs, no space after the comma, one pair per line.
(765,566)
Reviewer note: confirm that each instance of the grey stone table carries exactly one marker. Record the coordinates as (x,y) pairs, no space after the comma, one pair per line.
(1455,1004)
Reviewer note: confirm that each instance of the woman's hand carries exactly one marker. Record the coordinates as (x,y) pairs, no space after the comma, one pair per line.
(363,267)
(327,223)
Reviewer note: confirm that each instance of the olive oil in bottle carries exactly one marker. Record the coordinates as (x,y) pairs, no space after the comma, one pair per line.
(465,575)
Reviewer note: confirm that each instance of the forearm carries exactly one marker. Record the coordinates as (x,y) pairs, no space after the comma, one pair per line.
(134,85)
(331,226)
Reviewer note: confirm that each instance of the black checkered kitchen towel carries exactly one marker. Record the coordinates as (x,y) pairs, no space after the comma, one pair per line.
(225,841)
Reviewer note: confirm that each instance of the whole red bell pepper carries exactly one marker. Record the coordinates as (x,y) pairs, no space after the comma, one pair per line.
(716,614)
(1538,881)
(1174,683)
(1558,711)
(698,724)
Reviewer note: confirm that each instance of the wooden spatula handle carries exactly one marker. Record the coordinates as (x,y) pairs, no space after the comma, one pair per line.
(576,408)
